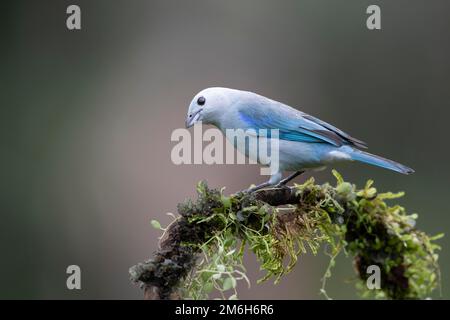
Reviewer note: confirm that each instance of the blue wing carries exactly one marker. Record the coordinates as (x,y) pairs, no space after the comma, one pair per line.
(294,125)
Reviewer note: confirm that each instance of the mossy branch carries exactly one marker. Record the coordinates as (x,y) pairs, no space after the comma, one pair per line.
(202,249)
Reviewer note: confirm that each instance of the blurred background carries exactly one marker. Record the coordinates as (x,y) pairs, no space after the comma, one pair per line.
(86,118)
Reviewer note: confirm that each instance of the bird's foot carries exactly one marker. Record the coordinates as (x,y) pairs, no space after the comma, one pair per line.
(256,188)
(281,184)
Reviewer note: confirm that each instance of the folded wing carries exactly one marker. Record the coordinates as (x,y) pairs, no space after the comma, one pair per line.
(294,125)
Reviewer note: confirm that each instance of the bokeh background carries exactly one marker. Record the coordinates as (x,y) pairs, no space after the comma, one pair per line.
(86,119)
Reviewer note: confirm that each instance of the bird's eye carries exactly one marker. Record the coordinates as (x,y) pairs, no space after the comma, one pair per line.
(201,101)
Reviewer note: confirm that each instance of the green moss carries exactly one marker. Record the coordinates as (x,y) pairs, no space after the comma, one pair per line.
(340,218)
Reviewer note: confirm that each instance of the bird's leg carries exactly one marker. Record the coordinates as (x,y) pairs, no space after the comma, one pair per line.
(283,182)
(274,178)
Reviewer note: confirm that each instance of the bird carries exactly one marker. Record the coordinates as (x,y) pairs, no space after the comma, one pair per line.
(305,142)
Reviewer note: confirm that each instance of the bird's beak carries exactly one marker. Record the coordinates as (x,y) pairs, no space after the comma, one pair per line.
(192,118)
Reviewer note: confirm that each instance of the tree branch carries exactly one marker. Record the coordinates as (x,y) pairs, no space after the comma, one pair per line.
(161,276)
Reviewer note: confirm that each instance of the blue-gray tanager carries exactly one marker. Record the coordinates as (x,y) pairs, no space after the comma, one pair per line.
(304,142)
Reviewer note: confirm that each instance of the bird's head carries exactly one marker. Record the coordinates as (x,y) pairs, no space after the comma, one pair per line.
(208,106)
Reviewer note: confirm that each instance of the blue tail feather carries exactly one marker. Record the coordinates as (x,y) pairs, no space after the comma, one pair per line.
(378,161)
